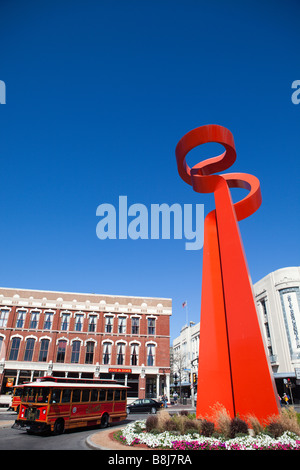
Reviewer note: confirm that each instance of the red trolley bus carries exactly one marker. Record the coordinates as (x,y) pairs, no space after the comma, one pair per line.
(56,405)
(16,398)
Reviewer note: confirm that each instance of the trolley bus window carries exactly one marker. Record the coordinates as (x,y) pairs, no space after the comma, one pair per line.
(55,396)
(43,395)
(76,395)
(35,394)
(110,395)
(66,395)
(31,395)
(123,394)
(85,395)
(94,394)
(102,395)
(117,395)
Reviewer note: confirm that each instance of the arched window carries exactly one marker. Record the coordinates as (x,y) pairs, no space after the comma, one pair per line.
(122,325)
(65,321)
(134,354)
(34,319)
(75,352)
(44,350)
(14,349)
(92,323)
(106,353)
(4,312)
(89,352)
(78,322)
(120,354)
(29,347)
(48,319)
(21,318)
(150,354)
(61,350)
(109,323)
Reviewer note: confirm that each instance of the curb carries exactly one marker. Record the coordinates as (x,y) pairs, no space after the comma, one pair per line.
(104,435)
(94,446)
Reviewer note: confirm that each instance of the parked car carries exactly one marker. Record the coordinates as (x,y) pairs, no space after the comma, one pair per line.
(144,405)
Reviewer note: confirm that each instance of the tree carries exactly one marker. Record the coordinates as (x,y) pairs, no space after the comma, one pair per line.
(179,367)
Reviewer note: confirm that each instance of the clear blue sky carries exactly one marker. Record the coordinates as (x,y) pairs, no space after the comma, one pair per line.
(98,95)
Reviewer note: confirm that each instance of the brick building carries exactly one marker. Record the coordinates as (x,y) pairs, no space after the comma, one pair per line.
(85,335)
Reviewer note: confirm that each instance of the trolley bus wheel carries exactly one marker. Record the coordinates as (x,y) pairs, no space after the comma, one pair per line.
(104,420)
(59,426)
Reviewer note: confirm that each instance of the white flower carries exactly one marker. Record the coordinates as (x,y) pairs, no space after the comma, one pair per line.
(165,439)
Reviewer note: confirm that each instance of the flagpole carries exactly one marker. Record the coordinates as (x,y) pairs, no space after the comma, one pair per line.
(186,312)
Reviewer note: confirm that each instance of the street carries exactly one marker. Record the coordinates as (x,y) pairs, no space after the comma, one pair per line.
(14,439)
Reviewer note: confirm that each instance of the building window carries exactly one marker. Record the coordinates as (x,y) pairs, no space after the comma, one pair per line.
(21,318)
(89,353)
(44,350)
(78,322)
(1,342)
(121,354)
(14,350)
(109,324)
(3,317)
(150,355)
(134,355)
(106,353)
(29,349)
(48,320)
(61,350)
(264,307)
(135,326)
(34,319)
(122,325)
(75,352)
(65,321)
(92,323)
(151,326)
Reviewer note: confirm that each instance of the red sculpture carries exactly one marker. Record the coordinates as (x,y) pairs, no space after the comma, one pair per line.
(233,367)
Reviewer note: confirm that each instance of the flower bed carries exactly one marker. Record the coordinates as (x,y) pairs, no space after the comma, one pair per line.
(135,433)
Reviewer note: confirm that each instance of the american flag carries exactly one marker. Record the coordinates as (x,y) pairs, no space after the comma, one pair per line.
(184,304)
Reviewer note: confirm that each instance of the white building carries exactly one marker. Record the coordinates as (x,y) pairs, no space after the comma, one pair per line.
(277,297)
(278,304)
(185,355)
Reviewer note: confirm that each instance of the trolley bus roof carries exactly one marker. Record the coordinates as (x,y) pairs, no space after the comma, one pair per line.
(72,385)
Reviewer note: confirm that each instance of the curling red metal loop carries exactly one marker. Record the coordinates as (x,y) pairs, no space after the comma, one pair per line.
(202,176)
(203,135)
